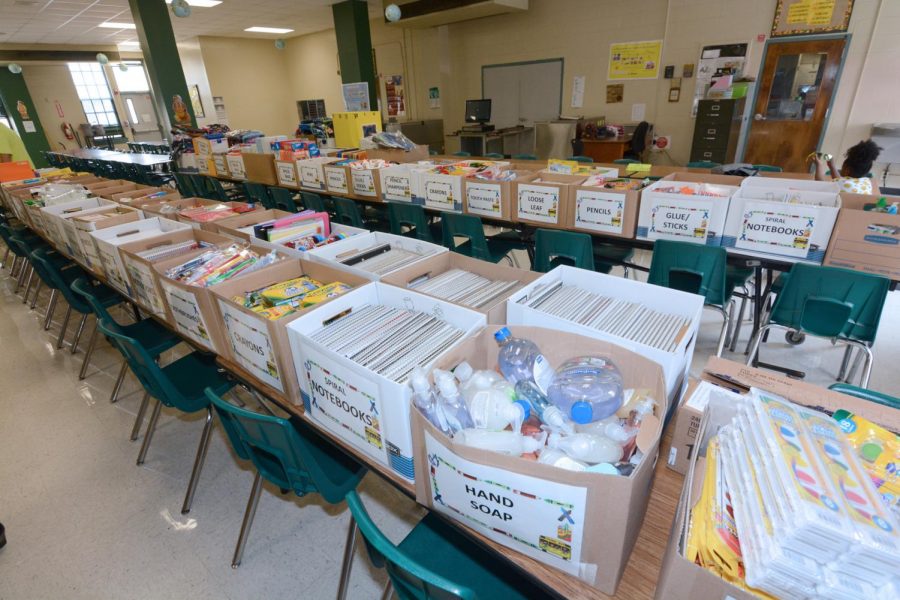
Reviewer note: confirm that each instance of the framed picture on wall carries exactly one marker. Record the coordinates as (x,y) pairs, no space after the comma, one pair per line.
(809,17)
(196,103)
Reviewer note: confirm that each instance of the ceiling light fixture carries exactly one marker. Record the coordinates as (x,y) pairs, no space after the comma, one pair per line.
(102,58)
(117,25)
(268,30)
(129,43)
(201,3)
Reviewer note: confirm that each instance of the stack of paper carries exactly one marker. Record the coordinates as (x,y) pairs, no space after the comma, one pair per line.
(463,287)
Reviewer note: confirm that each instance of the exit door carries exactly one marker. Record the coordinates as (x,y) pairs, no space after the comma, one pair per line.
(141,115)
(796,85)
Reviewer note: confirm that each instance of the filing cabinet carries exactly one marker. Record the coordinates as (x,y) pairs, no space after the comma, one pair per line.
(716,130)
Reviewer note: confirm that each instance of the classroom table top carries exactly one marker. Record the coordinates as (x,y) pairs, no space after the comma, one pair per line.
(132,158)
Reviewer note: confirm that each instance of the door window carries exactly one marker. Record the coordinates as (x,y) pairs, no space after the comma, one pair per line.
(795,86)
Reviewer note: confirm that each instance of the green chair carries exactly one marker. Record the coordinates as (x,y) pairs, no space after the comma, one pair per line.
(841,305)
(257,192)
(437,560)
(703,164)
(607,256)
(293,456)
(413,218)
(524,157)
(220,193)
(581,159)
(462,154)
(625,161)
(554,247)
(201,188)
(696,269)
(180,385)
(154,337)
(283,199)
(768,169)
(495,155)
(433,152)
(23,247)
(314,202)
(347,212)
(864,394)
(455,225)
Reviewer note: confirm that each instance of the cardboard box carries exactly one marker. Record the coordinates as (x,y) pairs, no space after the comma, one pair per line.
(675,364)
(106,183)
(206,166)
(516,502)
(440,263)
(337,179)
(681,579)
(781,222)
(235,164)
(111,190)
(365,183)
(205,147)
(333,387)
(187,162)
(143,197)
(172,210)
(58,227)
(142,279)
(695,218)
(864,240)
(286,173)
(311,172)
(545,200)
(608,212)
(420,152)
(493,199)
(258,344)
(335,253)
(260,168)
(86,225)
(400,183)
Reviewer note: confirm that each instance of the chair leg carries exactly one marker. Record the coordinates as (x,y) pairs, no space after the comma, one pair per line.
(148,435)
(5,257)
(88,353)
(63,327)
(848,352)
(51,306)
(139,417)
(347,564)
(78,333)
(249,513)
(736,329)
(37,293)
(114,397)
(198,462)
(726,321)
(867,369)
(388,590)
(28,283)
(22,272)
(754,343)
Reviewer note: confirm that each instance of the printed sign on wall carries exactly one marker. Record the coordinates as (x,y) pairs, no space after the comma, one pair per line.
(634,60)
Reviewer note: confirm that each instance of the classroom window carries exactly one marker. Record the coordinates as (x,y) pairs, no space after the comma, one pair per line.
(93,91)
(132,80)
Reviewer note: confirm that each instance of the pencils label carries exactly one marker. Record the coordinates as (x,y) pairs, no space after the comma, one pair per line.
(599,211)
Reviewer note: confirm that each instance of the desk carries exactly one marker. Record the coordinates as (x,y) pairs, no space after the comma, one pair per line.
(516,140)
(139,159)
(606,150)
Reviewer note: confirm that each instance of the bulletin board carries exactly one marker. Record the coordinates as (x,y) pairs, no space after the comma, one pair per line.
(807,17)
(634,60)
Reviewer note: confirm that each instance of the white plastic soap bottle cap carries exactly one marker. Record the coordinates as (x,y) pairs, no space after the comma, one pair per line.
(529,444)
(419,381)
(447,387)
(463,371)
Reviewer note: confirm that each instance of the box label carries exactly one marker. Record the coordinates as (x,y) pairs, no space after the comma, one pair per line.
(186,314)
(542,519)
(538,203)
(220,163)
(250,342)
(680,220)
(442,195)
(397,187)
(336,180)
(363,182)
(311,176)
(599,211)
(483,199)
(144,287)
(236,167)
(783,229)
(204,165)
(88,250)
(287,175)
(347,405)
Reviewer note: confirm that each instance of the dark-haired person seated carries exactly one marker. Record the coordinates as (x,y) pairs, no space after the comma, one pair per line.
(853,175)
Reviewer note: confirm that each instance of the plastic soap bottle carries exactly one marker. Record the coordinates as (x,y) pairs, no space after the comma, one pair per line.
(521,360)
(588,388)
(586,447)
(550,415)
(504,442)
(451,403)
(424,400)
(610,427)
(557,458)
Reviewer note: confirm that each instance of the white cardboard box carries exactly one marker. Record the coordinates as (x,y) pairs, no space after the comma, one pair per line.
(235,163)
(107,242)
(58,226)
(365,183)
(312,173)
(286,173)
(695,218)
(83,230)
(400,183)
(368,411)
(333,253)
(221,163)
(337,179)
(784,183)
(675,364)
(781,222)
(442,192)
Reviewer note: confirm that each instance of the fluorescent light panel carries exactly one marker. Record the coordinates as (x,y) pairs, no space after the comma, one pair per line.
(201,3)
(268,30)
(117,25)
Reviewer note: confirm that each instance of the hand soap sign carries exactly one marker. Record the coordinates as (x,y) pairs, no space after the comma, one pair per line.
(539,518)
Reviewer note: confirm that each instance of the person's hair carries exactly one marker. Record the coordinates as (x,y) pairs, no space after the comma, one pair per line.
(860,157)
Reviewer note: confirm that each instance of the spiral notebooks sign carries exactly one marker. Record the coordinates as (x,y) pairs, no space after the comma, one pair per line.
(789,231)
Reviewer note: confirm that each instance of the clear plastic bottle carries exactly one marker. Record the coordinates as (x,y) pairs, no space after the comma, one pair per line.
(589,448)
(423,398)
(550,415)
(521,360)
(450,402)
(504,442)
(587,388)
(558,458)
(494,409)
(610,427)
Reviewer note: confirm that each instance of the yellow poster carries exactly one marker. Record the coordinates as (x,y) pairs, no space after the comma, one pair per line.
(634,60)
(798,13)
(821,12)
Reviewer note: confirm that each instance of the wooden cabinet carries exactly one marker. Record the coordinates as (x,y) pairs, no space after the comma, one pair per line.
(717,130)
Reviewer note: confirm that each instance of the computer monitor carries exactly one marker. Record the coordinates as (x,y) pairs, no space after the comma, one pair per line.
(478,111)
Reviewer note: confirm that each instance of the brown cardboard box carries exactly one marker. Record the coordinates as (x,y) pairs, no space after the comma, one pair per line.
(172,210)
(435,265)
(864,240)
(261,345)
(105,183)
(493,199)
(337,179)
(681,579)
(260,168)
(366,184)
(420,152)
(142,197)
(110,191)
(545,201)
(607,212)
(606,511)
(231,225)
(221,165)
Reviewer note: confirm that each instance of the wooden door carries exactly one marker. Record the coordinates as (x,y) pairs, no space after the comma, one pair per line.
(795,90)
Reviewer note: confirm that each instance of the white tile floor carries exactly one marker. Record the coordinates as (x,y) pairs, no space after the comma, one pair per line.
(84,522)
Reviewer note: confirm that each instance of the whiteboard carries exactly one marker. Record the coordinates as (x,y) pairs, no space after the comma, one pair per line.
(522,93)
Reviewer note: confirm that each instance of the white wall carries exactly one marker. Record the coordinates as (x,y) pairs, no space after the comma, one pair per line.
(195,74)
(48,84)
